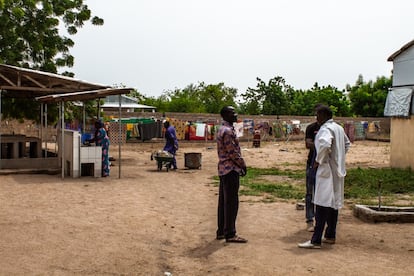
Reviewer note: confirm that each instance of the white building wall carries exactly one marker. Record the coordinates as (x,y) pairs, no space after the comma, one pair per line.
(403,70)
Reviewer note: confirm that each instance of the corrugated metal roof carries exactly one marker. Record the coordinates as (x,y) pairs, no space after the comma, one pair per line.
(126,102)
(127,105)
(83,95)
(403,48)
(22,82)
(47,87)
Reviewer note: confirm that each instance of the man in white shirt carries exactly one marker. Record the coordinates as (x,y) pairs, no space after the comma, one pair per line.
(331,144)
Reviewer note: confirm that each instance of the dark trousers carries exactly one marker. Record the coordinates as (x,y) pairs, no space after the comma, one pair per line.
(328,216)
(174,160)
(228,204)
(310,190)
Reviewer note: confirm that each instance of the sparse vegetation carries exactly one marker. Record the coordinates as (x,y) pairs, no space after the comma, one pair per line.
(361,184)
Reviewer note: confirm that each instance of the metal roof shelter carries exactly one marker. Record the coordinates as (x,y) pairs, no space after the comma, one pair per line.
(16,82)
(27,83)
(126,103)
(83,95)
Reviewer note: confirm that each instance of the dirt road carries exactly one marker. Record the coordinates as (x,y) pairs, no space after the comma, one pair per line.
(150,223)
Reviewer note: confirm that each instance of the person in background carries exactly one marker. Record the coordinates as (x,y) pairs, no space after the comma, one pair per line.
(231,166)
(101,139)
(331,144)
(310,134)
(256,139)
(171,142)
(110,158)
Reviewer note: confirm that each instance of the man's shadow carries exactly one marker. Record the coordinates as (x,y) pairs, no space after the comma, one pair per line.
(206,249)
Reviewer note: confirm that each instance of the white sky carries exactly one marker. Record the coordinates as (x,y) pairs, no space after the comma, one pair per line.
(159,45)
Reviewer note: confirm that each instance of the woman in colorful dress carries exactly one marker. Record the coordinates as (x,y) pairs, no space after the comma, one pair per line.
(101,139)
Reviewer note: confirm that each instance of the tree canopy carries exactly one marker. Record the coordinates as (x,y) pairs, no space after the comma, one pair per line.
(277,97)
(268,98)
(368,99)
(195,98)
(29,32)
(30,38)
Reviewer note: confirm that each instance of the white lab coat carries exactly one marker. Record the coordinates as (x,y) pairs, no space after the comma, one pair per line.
(331,144)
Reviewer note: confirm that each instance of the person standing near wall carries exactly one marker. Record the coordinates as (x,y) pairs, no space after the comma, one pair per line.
(331,144)
(231,166)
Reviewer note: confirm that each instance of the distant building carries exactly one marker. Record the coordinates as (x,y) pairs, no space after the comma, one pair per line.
(128,104)
(400,107)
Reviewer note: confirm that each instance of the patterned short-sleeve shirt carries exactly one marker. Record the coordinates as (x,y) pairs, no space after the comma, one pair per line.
(228,150)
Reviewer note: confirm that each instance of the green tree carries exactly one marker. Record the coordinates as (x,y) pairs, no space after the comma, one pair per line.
(248,107)
(331,97)
(270,98)
(368,98)
(300,103)
(137,95)
(185,100)
(29,32)
(214,96)
(278,98)
(195,98)
(161,102)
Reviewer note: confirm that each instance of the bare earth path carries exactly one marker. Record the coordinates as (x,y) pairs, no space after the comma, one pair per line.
(150,222)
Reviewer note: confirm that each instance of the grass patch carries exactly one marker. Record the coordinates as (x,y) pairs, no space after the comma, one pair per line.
(294,174)
(364,183)
(361,184)
(285,191)
(286,164)
(254,184)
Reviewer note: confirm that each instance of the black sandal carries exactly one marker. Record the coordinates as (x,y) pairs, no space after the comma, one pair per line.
(236,239)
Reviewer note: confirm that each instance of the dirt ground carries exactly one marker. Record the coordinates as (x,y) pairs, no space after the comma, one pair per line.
(156,223)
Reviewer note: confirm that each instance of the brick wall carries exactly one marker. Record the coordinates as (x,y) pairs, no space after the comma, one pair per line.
(31,128)
(384,121)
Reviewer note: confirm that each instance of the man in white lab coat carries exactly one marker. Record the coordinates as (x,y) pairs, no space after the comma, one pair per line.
(331,144)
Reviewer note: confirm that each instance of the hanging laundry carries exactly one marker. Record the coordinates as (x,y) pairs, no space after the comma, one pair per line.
(303,127)
(248,125)
(200,129)
(238,127)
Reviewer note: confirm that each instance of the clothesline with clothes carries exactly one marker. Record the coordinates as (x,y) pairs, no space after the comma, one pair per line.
(148,128)
(356,130)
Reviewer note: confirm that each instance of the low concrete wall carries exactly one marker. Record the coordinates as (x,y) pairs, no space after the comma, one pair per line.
(386,214)
(30,163)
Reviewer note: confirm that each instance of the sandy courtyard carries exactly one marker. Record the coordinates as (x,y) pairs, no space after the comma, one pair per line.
(150,222)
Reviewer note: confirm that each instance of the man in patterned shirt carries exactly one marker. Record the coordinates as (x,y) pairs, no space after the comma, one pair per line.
(231,166)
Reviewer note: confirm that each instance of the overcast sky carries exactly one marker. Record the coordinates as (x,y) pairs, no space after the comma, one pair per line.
(160,45)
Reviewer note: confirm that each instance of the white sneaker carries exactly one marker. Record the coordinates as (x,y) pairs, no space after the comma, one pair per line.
(309,245)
